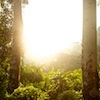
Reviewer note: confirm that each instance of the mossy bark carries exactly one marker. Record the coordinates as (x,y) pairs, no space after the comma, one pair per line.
(16,47)
(89,52)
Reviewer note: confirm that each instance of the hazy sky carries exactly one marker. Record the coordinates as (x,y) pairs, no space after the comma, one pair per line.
(55,17)
(52,25)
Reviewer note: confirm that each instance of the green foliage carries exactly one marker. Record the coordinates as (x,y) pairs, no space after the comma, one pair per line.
(58,82)
(5,31)
(5,39)
(70,95)
(5,44)
(54,85)
(28,93)
(31,74)
(74,79)
(4,67)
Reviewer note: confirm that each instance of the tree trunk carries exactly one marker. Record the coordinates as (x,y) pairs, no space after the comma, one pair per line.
(16,47)
(89,52)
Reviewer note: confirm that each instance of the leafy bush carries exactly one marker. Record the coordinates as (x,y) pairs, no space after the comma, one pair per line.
(3,83)
(28,93)
(57,82)
(74,79)
(70,95)
(4,66)
(30,74)
(54,85)
(5,44)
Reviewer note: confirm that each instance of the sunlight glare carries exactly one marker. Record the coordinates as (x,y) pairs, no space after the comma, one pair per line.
(51,25)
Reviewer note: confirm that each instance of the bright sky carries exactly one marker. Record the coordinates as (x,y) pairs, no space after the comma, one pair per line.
(51,25)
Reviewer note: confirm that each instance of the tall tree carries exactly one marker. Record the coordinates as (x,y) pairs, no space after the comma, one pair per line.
(16,47)
(89,53)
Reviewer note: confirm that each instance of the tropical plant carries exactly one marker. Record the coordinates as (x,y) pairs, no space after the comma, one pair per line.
(28,93)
